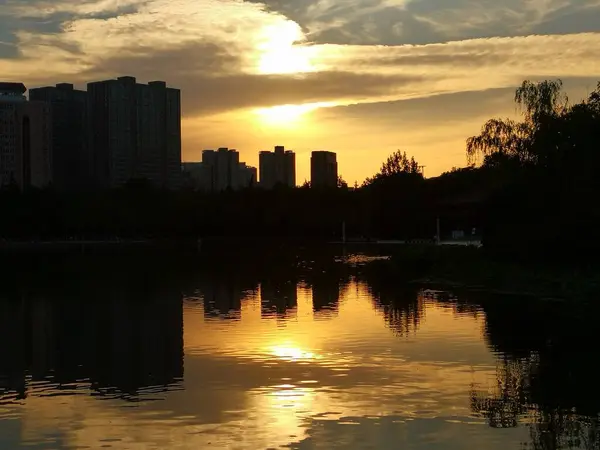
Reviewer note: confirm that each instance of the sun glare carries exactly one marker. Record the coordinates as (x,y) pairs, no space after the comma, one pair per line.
(281,51)
(290,353)
(288,115)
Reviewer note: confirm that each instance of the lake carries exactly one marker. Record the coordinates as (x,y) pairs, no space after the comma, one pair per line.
(299,352)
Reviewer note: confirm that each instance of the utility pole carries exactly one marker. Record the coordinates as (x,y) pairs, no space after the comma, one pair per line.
(422,170)
(438,237)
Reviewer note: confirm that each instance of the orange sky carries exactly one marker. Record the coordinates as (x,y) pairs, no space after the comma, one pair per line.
(361,78)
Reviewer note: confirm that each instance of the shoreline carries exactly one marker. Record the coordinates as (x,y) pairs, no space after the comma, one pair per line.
(471,269)
(70,246)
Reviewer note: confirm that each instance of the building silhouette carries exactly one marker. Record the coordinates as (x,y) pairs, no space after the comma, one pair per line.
(278,297)
(196,175)
(277,168)
(323,169)
(135,132)
(71,165)
(219,170)
(25,139)
(246,176)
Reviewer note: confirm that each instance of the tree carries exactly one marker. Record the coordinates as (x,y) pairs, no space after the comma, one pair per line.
(341,183)
(397,164)
(531,141)
(500,139)
(540,100)
(547,165)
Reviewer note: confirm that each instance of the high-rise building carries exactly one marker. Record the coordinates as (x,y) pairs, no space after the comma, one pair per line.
(220,170)
(71,164)
(195,175)
(135,132)
(246,176)
(25,139)
(277,168)
(221,166)
(323,169)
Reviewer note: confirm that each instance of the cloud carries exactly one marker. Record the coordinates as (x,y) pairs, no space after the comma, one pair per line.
(51,18)
(213,82)
(206,48)
(398,22)
(570,19)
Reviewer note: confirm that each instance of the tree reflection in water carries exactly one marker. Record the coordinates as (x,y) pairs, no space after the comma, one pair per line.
(547,372)
(547,377)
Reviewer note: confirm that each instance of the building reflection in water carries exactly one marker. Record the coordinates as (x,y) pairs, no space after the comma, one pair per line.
(278,297)
(222,300)
(325,295)
(121,342)
(121,337)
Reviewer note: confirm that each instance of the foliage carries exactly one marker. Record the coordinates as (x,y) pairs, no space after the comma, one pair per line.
(501,139)
(341,183)
(550,133)
(549,162)
(397,164)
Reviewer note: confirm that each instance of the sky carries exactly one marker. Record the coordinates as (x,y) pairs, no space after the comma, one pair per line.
(362,78)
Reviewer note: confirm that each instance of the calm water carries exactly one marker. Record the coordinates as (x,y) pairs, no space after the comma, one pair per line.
(167,355)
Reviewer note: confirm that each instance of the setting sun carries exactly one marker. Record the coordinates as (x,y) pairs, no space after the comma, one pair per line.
(287,115)
(278,52)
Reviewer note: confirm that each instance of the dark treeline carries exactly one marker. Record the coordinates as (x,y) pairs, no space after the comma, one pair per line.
(534,194)
(548,164)
(398,206)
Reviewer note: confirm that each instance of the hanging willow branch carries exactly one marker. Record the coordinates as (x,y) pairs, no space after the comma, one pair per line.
(541,103)
(537,100)
(506,137)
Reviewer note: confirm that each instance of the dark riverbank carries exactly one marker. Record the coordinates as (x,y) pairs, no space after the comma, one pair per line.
(468,268)
(454,268)
(66,246)
(446,267)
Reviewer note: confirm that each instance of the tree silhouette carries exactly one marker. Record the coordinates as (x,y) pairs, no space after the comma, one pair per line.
(341,183)
(528,142)
(397,164)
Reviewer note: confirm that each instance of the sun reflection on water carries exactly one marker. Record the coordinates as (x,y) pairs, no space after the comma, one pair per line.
(291,353)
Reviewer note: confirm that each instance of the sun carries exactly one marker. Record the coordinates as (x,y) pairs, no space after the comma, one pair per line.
(281,50)
(288,115)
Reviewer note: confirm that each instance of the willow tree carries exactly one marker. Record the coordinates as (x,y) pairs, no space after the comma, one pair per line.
(539,101)
(528,141)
